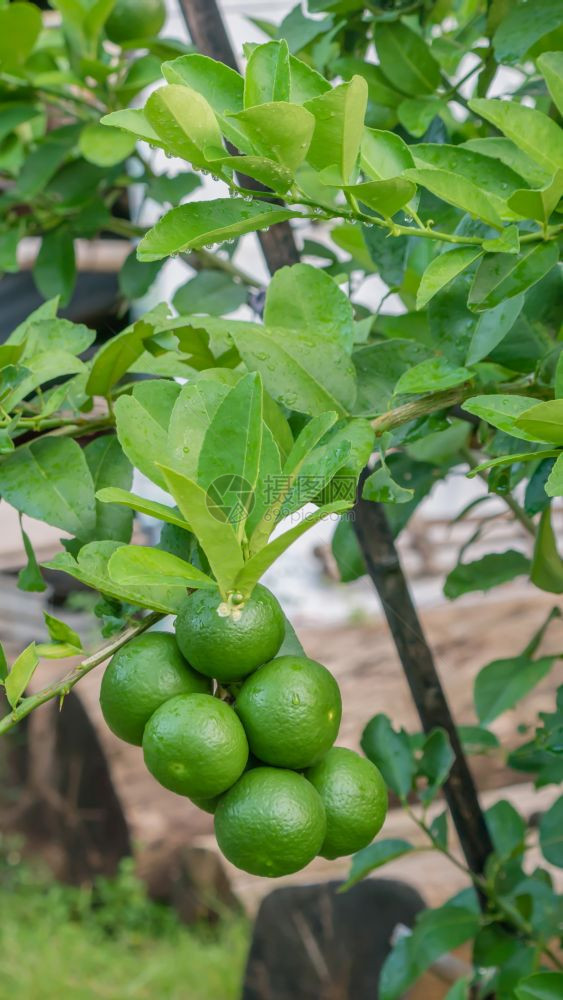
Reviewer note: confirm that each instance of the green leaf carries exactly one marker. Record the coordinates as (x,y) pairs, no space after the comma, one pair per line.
(172,189)
(192,226)
(60,632)
(499,148)
(405,59)
(213,293)
(307,373)
(485,573)
(54,271)
(492,327)
(23,669)
(20,25)
(384,154)
(416,114)
(185,123)
(91,568)
(50,480)
(375,856)
(232,448)
(432,375)
(551,833)
(267,74)
(540,986)
(191,416)
(475,739)
(544,421)
(459,990)
(277,130)
(135,278)
(380,487)
(347,552)
(261,168)
(29,577)
(554,485)
(550,65)
(439,829)
(494,177)
(3,665)
(221,86)
(531,130)
(385,196)
(502,412)
(216,537)
(115,358)
(443,269)
(114,495)
(110,468)
(503,683)
(135,121)
(435,763)
(338,127)
(547,565)
(105,148)
(388,255)
(507,829)
(458,191)
(143,566)
(257,565)
(391,753)
(522,26)
(507,242)
(436,932)
(521,456)
(532,204)
(142,425)
(304,83)
(302,298)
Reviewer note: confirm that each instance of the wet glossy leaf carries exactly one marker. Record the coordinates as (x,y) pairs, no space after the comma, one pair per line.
(142,425)
(267,74)
(538,204)
(339,124)
(550,65)
(192,226)
(544,421)
(458,191)
(502,412)
(141,565)
(384,154)
(50,480)
(531,130)
(184,122)
(443,269)
(277,130)
(432,375)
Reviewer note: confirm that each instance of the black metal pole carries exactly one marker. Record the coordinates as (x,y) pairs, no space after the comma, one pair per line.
(208,32)
(384,568)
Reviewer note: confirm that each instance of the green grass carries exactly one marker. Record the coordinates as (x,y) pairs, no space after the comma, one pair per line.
(111,943)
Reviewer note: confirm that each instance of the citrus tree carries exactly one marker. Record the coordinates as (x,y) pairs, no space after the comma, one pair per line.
(373,128)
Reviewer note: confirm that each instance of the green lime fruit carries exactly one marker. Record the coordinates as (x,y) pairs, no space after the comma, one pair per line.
(132,19)
(290,709)
(194,745)
(229,641)
(355,800)
(139,678)
(272,822)
(206,805)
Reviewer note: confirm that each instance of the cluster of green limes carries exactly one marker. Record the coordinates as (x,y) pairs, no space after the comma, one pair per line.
(258,752)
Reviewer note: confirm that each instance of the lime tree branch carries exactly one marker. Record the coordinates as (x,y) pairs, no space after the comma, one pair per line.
(509,913)
(62,687)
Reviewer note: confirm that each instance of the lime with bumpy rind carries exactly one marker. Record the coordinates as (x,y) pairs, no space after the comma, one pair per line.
(195,745)
(272,822)
(355,800)
(141,676)
(290,709)
(226,640)
(132,19)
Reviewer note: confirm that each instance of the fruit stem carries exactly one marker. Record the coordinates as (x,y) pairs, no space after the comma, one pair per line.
(61,687)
